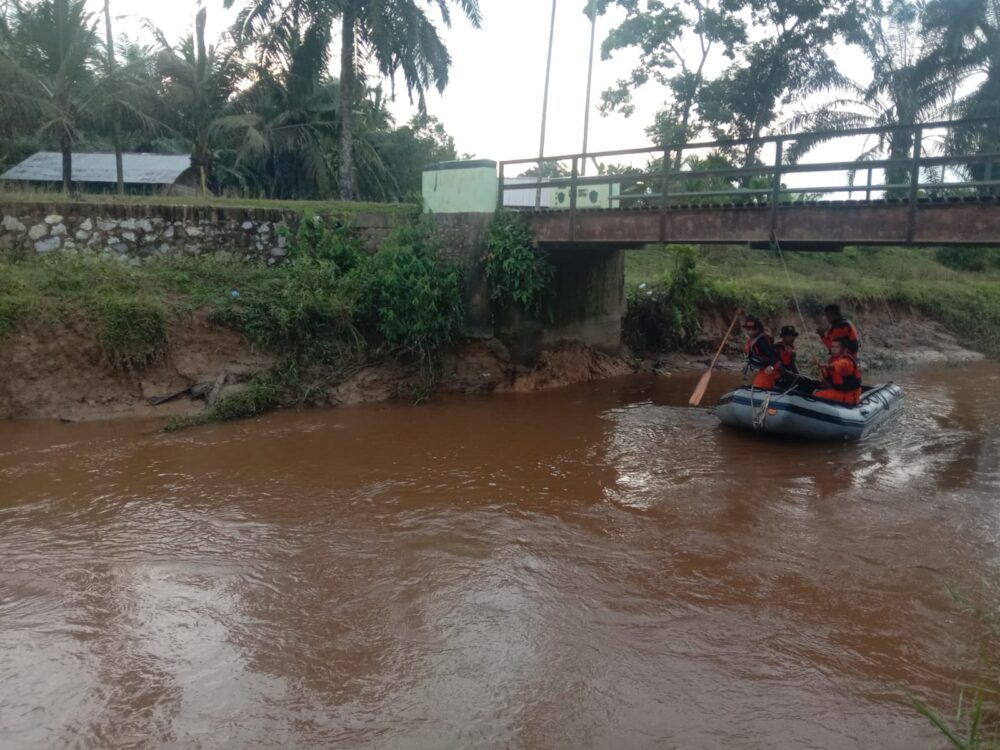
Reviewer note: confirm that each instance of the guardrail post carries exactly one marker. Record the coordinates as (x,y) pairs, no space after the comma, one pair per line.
(538,190)
(500,190)
(911,224)
(868,189)
(776,188)
(572,199)
(664,194)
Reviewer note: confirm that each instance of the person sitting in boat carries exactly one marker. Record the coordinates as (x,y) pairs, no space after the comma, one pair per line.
(786,354)
(839,328)
(762,357)
(842,376)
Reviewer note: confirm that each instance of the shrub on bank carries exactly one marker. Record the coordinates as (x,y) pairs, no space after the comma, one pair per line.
(409,300)
(132,332)
(324,311)
(332,300)
(974,259)
(966,302)
(517,271)
(666,314)
(258,396)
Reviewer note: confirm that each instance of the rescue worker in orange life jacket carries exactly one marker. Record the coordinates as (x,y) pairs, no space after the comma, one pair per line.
(839,328)
(761,355)
(790,376)
(786,355)
(842,376)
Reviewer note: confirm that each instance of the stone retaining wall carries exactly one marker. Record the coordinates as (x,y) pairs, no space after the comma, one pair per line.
(136,233)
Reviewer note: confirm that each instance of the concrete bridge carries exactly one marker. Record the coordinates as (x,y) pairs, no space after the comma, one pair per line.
(798,226)
(926,192)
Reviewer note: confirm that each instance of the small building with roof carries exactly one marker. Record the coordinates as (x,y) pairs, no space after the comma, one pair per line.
(144,173)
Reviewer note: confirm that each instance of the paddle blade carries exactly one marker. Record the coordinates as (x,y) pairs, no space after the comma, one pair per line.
(699,391)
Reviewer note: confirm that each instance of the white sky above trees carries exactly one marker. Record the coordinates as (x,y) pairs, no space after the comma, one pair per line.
(492,105)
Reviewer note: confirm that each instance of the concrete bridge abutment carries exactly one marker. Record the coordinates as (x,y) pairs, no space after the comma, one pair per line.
(586,301)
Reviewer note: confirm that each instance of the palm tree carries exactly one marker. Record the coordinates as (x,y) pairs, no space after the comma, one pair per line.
(298,108)
(907,88)
(47,71)
(201,83)
(115,120)
(395,36)
(970,47)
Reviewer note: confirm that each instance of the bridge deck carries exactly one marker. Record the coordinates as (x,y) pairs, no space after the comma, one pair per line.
(941,193)
(953,221)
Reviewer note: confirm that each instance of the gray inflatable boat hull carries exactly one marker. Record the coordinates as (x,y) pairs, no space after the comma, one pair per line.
(772,412)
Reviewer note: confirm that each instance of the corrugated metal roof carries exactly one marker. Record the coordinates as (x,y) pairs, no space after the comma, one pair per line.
(140,169)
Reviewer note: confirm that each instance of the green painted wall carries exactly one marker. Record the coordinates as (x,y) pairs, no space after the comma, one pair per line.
(461,187)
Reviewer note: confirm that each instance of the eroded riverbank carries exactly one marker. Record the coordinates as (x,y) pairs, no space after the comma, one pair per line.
(594,566)
(60,373)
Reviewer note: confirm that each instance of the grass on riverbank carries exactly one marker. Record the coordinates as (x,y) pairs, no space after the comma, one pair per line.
(965,301)
(328,307)
(340,209)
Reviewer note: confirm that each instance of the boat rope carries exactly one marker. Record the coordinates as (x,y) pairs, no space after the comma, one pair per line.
(760,415)
(788,279)
(795,299)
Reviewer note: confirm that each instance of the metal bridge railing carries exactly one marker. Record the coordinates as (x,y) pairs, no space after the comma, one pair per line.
(922,173)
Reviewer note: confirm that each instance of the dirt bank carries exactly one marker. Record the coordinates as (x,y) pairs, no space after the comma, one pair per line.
(59,372)
(891,338)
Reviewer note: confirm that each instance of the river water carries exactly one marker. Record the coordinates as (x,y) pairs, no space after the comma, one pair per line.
(593,567)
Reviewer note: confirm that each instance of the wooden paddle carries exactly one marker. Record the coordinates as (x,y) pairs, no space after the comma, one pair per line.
(699,391)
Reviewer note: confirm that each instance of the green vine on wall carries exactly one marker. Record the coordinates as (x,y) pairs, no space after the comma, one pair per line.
(516,270)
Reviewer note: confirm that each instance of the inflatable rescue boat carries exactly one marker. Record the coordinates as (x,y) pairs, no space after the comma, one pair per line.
(784,413)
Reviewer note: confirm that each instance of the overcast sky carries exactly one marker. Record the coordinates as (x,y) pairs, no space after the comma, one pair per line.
(493,103)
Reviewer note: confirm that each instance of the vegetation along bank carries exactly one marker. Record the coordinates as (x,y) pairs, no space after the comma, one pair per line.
(913,306)
(89,333)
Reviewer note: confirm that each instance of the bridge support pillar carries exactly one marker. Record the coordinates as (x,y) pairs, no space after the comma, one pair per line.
(586,305)
(587,302)
(588,298)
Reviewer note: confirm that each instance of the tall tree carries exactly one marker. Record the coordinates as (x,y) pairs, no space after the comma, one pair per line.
(392,36)
(908,86)
(971,49)
(778,52)
(406,151)
(201,83)
(116,121)
(676,43)
(786,60)
(47,64)
(298,107)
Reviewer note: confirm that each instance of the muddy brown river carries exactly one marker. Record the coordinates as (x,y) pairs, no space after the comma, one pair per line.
(593,567)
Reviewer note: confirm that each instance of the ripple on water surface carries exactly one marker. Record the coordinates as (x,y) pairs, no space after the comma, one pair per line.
(599,566)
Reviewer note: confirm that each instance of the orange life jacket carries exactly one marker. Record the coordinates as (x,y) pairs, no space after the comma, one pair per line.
(787,355)
(843,329)
(762,357)
(844,375)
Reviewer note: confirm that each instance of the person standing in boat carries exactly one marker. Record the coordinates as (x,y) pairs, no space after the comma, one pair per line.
(762,357)
(840,328)
(842,376)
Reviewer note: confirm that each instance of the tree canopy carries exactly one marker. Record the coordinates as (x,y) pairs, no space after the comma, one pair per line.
(268,109)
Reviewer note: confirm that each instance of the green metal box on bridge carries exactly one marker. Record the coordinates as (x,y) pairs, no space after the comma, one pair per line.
(453,187)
